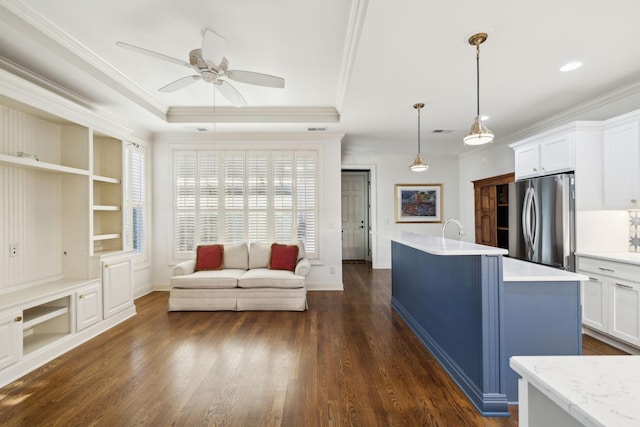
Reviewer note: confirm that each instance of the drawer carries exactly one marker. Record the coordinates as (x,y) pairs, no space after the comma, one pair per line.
(618,270)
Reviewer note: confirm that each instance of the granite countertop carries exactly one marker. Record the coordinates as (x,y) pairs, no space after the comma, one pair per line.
(439,246)
(625,257)
(595,390)
(515,270)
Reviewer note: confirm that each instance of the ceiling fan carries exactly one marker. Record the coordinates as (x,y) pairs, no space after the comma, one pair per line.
(212,67)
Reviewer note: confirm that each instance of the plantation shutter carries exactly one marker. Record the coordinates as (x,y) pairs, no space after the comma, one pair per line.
(138,200)
(209,199)
(234,194)
(185,201)
(257,201)
(282,166)
(306,199)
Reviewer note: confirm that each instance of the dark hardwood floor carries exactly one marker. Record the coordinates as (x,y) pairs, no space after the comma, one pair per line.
(348,360)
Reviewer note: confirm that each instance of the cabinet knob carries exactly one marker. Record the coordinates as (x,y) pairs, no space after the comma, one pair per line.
(535,169)
(81,296)
(18,319)
(634,201)
(106,266)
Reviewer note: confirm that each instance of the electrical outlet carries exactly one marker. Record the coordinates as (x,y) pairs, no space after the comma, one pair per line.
(13,249)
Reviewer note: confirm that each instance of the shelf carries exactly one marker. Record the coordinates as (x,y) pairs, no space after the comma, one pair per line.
(27,163)
(36,315)
(106,179)
(106,236)
(503,228)
(37,341)
(105,208)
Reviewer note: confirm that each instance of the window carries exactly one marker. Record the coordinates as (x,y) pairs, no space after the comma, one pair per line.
(255,195)
(135,215)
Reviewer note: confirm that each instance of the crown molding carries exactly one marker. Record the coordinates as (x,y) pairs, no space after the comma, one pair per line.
(36,26)
(210,114)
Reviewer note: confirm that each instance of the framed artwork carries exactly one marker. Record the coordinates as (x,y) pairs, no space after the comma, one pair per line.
(418,202)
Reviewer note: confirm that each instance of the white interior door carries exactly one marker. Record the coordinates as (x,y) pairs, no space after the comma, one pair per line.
(354,216)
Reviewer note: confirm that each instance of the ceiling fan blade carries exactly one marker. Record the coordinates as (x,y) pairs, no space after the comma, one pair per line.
(212,47)
(230,93)
(153,54)
(179,84)
(255,78)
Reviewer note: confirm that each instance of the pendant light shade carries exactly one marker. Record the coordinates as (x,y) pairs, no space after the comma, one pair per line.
(479,134)
(418,164)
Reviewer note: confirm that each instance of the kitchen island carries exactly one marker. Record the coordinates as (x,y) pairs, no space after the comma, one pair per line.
(473,309)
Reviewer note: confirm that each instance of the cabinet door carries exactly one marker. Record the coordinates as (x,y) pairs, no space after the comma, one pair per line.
(117,283)
(624,319)
(621,158)
(10,338)
(556,154)
(89,306)
(527,161)
(594,303)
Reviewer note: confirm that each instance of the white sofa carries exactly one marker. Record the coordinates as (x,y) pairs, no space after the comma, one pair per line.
(246,282)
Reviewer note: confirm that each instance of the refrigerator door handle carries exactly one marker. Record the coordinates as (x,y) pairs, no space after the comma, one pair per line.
(526,220)
(535,223)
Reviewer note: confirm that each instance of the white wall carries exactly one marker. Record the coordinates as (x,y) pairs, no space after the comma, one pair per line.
(330,247)
(394,169)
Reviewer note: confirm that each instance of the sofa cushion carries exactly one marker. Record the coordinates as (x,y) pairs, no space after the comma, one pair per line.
(265,278)
(209,257)
(283,257)
(211,279)
(259,254)
(236,256)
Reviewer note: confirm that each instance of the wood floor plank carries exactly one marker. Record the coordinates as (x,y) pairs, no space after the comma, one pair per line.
(348,360)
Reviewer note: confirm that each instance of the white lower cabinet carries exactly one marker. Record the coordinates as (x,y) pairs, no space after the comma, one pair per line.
(117,284)
(611,298)
(595,301)
(624,319)
(89,305)
(10,338)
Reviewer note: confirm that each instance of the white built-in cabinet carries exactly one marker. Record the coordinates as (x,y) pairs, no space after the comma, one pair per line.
(69,277)
(89,305)
(621,160)
(544,155)
(611,298)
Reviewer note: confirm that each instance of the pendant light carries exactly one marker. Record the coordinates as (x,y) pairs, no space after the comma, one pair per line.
(418,164)
(478,134)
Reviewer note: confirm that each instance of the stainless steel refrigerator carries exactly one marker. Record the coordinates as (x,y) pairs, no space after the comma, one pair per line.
(542,220)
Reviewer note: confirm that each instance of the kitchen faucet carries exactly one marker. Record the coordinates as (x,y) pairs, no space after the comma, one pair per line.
(460,231)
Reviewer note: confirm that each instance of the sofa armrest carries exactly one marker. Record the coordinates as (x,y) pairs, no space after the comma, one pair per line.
(185,267)
(303,267)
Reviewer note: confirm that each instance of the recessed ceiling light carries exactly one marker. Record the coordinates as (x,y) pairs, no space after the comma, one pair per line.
(571,66)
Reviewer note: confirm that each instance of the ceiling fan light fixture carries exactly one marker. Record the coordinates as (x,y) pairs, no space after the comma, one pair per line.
(478,134)
(418,164)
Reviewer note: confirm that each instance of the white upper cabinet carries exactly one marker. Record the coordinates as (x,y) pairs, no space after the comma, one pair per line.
(621,161)
(544,155)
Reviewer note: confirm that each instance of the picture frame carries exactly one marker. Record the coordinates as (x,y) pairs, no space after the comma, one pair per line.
(415,203)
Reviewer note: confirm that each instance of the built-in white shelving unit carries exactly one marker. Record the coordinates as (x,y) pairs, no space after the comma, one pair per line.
(61,173)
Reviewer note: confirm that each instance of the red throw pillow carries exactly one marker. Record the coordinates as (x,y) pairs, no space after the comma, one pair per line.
(209,257)
(283,257)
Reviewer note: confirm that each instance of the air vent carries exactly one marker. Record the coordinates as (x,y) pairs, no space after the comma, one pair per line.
(442,130)
(317,129)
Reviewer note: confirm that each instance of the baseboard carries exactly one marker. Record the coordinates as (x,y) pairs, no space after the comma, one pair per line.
(613,342)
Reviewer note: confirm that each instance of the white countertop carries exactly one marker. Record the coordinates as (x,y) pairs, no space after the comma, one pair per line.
(626,257)
(438,246)
(515,270)
(595,390)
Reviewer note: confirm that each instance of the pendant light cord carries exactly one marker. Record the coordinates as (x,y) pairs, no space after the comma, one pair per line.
(478,79)
(418,130)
